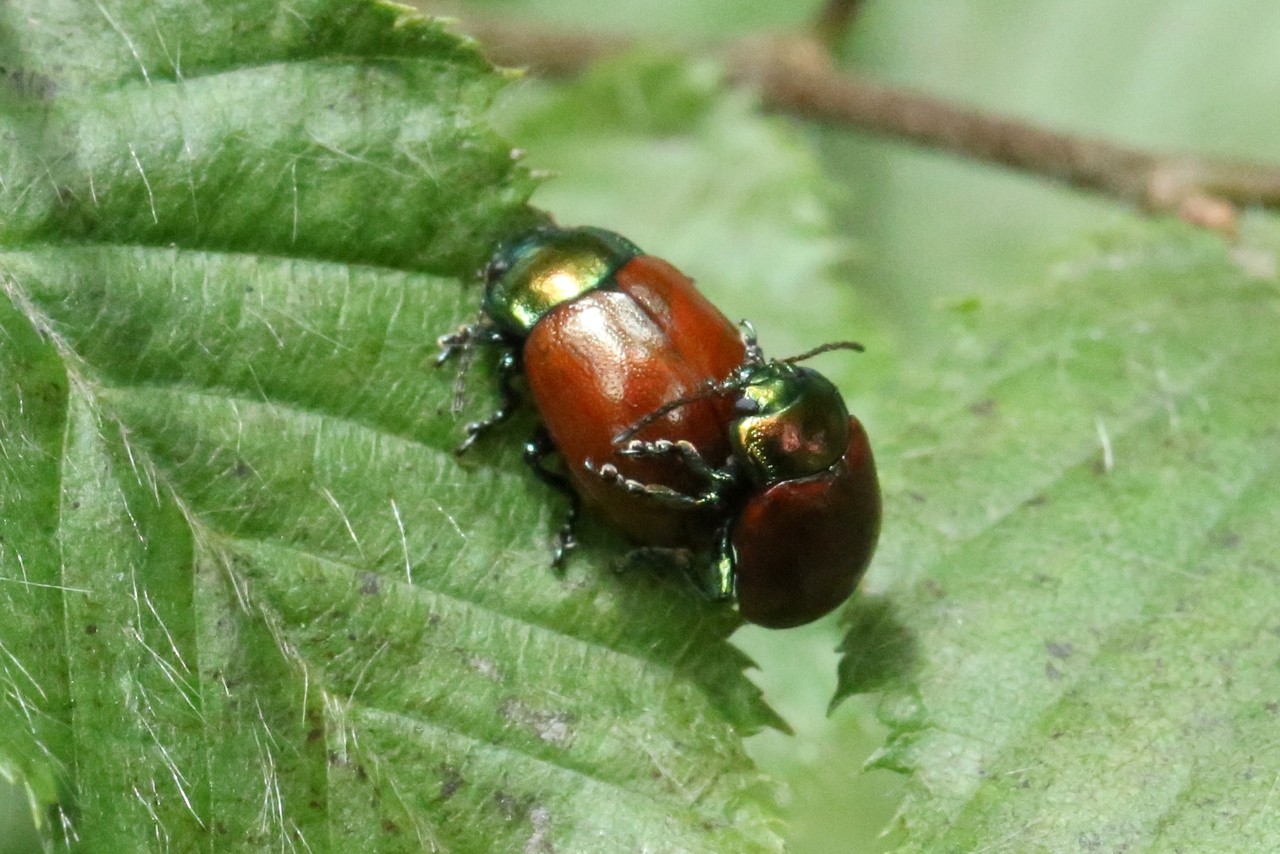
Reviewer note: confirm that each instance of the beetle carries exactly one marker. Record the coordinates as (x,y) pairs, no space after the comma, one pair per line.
(603,336)
(672,424)
(798,497)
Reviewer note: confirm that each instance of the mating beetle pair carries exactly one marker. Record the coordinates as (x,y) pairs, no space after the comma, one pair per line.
(672,425)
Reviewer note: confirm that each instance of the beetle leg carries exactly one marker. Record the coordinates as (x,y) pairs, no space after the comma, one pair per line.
(535,450)
(659,556)
(713,580)
(462,342)
(687,454)
(754,354)
(663,494)
(685,450)
(508,368)
(722,581)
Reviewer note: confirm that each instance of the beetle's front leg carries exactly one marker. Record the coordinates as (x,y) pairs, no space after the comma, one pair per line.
(462,342)
(508,369)
(658,492)
(686,454)
(716,482)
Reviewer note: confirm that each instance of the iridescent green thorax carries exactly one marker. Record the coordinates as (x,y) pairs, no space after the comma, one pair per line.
(532,275)
(790,422)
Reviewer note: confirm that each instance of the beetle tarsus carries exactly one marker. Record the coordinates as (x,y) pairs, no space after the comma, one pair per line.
(566,541)
(658,492)
(688,455)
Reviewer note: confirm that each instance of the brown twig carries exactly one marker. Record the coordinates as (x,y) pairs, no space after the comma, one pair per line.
(833,22)
(795,75)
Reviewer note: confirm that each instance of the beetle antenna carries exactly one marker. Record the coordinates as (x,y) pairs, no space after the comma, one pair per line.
(711,389)
(824,348)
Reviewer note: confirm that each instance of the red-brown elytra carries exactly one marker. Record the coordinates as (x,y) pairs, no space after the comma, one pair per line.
(671,424)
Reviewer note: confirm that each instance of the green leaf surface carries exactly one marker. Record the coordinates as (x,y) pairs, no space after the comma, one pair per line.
(1085,572)
(1075,633)
(251,598)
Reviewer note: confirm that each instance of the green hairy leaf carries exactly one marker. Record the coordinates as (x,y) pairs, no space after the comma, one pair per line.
(251,599)
(1079,647)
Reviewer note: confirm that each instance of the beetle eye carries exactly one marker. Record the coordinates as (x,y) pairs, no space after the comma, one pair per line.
(744,406)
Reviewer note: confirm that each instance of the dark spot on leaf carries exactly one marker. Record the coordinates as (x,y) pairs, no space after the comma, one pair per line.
(983,408)
(917,497)
(1052,672)
(30,84)
(389,826)
(361,774)
(1229,539)
(91,629)
(451,780)
(369,585)
(242,470)
(315,734)
(1272,707)
(1059,650)
(510,806)
(75,505)
(1038,500)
